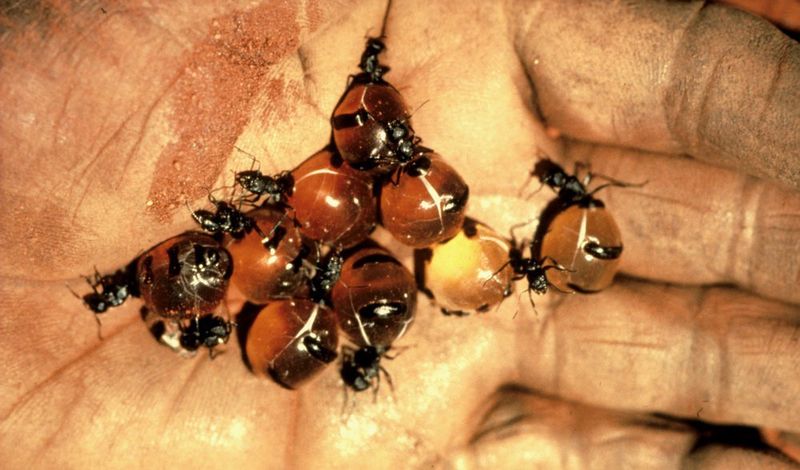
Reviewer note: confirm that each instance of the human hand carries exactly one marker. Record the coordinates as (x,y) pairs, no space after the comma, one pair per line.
(114,117)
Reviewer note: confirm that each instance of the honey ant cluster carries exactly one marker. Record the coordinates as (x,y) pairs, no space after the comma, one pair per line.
(296,245)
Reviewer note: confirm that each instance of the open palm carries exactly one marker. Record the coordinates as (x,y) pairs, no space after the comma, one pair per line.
(114,118)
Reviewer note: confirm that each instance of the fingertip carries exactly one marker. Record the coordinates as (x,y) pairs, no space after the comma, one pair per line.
(731,97)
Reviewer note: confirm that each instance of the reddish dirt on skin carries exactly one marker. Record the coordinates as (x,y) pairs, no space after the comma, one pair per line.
(218,83)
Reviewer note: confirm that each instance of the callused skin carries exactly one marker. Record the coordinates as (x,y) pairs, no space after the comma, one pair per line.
(124,115)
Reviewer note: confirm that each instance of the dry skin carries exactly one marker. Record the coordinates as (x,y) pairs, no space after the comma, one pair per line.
(115,116)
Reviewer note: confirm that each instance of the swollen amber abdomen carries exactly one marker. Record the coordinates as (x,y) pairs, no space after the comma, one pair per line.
(471,270)
(375,297)
(360,123)
(584,239)
(427,203)
(292,341)
(268,264)
(333,203)
(184,276)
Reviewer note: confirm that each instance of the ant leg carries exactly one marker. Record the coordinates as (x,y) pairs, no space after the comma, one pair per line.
(533,304)
(385,19)
(556,265)
(73,292)
(345,414)
(581,167)
(278,224)
(560,289)
(494,274)
(99,327)
(615,183)
(253,158)
(516,227)
(395,179)
(377,386)
(398,350)
(388,381)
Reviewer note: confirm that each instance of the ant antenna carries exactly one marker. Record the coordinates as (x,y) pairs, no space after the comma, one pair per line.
(532,193)
(418,108)
(252,157)
(191,211)
(385,19)
(530,297)
(519,226)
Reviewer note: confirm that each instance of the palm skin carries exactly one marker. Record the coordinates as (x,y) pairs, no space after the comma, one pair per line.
(115,118)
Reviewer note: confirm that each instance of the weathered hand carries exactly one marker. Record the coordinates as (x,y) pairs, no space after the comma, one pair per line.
(114,117)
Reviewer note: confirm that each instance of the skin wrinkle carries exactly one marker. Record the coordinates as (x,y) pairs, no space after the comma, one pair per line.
(167,367)
(180,394)
(722,388)
(57,433)
(698,362)
(722,89)
(26,396)
(783,56)
(529,95)
(675,94)
(142,129)
(705,113)
(309,83)
(59,120)
(98,156)
(743,241)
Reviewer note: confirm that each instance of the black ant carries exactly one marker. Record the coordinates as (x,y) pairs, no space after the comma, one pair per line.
(110,290)
(225,219)
(570,189)
(277,188)
(325,276)
(533,270)
(361,367)
(207,330)
(369,64)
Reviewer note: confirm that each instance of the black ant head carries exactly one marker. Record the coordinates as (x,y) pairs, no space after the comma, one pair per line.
(353,377)
(96,302)
(285,183)
(111,290)
(370,64)
(374,46)
(117,294)
(207,220)
(361,367)
(207,330)
(550,173)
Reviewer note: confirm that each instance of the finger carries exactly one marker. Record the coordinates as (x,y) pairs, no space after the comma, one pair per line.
(693,78)
(694,223)
(517,428)
(783,12)
(787,443)
(714,354)
(725,457)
